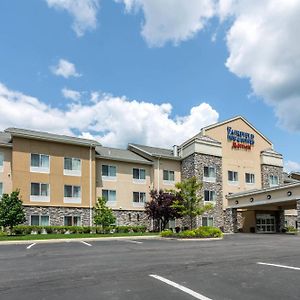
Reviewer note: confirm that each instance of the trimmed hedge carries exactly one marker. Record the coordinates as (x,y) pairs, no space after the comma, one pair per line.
(201,232)
(26,229)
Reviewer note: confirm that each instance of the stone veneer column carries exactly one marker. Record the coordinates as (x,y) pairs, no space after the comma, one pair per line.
(281,220)
(298,214)
(193,165)
(230,220)
(267,170)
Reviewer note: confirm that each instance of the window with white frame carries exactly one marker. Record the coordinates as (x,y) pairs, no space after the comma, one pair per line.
(232,177)
(207,221)
(1,189)
(72,166)
(168,177)
(1,161)
(209,174)
(109,172)
(209,196)
(249,178)
(39,163)
(109,195)
(139,198)
(72,194)
(273,180)
(72,220)
(39,220)
(139,175)
(39,192)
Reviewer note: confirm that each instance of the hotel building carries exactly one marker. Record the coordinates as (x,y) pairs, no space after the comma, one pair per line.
(60,177)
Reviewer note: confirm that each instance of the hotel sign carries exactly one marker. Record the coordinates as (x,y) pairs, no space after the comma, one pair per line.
(240,139)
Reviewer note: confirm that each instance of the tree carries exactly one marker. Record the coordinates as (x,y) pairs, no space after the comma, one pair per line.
(103,215)
(11,210)
(160,208)
(188,202)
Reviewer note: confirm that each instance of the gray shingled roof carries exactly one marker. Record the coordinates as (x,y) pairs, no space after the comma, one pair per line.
(120,154)
(5,138)
(50,137)
(155,151)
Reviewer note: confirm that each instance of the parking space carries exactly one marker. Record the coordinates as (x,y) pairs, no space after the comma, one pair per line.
(153,269)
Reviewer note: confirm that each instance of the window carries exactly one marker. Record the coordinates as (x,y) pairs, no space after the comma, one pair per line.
(39,220)
(39,163)
(109,172)
(72,166)
(139,198)
(1,162)
(139,175)
(40,192)
(207,221)
(209,174)
(1,189)
(168,177)
(72,221)
(273,180)
(72,194)
(232,176)
(109,195)
(209,195)
(249,178)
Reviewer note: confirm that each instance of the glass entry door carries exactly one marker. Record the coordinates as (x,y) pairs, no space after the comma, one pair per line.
(265,223)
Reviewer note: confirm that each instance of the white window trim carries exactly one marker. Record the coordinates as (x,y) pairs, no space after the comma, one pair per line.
(169,182)
(109,178)
(2,166)
(111,203)
(73,172)
(40,169)
(75,200)
(40,198)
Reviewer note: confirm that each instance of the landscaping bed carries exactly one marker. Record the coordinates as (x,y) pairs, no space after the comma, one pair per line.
(201,232)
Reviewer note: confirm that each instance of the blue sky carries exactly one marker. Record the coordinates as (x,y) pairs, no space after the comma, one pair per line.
(132,70)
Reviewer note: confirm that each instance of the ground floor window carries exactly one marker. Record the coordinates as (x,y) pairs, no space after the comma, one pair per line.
(72,221)
(1,189)
(39,220)
(207,221)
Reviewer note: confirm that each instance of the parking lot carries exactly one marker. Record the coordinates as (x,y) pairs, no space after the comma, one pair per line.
(242,266)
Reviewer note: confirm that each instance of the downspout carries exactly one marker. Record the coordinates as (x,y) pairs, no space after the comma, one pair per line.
(158,175)
(91,186)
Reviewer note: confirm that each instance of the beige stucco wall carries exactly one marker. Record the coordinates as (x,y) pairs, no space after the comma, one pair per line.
(240,160)
(5,175)
(22,177)
(124,184)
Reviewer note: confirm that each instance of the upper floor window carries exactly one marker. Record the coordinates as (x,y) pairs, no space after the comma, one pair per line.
(249,178)
(40,192)
(139,198)
(72,166)
(209,196)
(1,162)
(232,176)
(168,177)
(39,163)
(209,174)
(39,220)
(139,175)
(109,172)
(273,180)
(72,194)
(109,195)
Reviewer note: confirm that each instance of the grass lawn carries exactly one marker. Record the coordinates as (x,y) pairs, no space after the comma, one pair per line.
(69,236)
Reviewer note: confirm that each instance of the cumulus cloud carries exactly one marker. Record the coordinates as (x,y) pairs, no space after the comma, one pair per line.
(71,94)
(65,68)
(171,20)
(84,13)
(291,166)
(114,121)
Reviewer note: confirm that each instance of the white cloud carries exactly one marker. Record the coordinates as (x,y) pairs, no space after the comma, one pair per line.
(65,68)
(71,94)
(114,121)
(84,13)
(171,20)
(291,166)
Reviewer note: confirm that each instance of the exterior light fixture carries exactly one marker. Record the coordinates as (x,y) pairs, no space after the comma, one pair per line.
(236,202)
(269,197)
(289,193)
(251,199)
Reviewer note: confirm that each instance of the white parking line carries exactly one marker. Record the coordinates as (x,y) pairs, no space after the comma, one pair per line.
(31,245)
(279,266)
(135,242)
(83,242)
(181,287)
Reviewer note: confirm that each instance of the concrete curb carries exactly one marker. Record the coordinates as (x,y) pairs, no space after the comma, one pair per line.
(70,240)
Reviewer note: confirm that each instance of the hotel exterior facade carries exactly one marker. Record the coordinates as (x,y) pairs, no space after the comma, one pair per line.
(60,177)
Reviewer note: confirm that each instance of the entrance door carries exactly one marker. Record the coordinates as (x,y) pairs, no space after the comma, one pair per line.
(265,223)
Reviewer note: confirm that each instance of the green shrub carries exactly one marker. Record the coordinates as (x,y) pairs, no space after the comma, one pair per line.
(291,229)
(167,233)
(208,232)
(187,234)
(122,229)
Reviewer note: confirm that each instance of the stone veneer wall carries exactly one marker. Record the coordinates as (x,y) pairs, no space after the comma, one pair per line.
(131,218)
(267,170)
(193,165)
(56,214)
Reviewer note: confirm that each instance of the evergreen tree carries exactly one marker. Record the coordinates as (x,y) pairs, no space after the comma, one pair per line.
(103,215)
